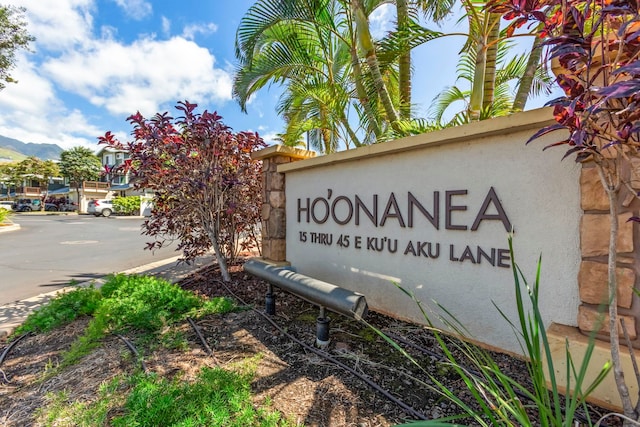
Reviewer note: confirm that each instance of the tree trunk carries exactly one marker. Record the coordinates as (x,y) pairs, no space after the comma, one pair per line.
(613,192)
(44,200)
(366,44)
(404,62)
(220,257)
(362,93)
(493,35)
(78,196)
(477,90)
(524,86)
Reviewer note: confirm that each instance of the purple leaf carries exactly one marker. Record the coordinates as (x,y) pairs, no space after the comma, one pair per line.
(555,144)
(545,130)
(621,89)
(574,150)
(563,100)
(632,68)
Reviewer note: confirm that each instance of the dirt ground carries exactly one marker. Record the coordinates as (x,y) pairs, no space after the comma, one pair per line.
(358,380)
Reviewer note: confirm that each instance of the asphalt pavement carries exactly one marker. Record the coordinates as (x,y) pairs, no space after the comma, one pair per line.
(53,250)
(13,314)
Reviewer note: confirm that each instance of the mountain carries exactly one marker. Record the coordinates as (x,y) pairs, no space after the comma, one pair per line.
(41,151)
(8,156)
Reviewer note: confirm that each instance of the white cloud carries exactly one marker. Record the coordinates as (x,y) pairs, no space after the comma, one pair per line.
(141,76)
(190,31)
(135,9)
(166,26)
(382,20)
(29,94)
(58,24)
(270,138)
(148,75)
(108,32)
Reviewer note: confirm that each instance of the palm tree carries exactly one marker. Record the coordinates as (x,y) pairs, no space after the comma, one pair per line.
(501,102)
(302,45)
(323,53)
(332,69)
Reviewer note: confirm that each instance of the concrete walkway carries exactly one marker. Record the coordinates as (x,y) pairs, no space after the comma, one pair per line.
(12,315)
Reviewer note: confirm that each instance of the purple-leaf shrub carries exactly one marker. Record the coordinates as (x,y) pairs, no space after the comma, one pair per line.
(207,190)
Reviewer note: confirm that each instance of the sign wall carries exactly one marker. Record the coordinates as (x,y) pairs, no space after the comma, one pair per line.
(432,214)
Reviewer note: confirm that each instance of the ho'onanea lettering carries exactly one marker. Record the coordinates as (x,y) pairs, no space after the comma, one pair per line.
(403,210)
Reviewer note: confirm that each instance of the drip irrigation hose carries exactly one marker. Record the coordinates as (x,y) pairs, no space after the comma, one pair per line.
(133,350)
(411,411)
(203,340)
(10,346)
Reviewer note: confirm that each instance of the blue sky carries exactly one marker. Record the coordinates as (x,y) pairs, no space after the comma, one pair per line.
(95,62)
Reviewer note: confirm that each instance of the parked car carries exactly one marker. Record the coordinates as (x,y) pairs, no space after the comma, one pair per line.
(6,204)
(100,207)
(68,207)
(27,205)
(60,204)
(50,207)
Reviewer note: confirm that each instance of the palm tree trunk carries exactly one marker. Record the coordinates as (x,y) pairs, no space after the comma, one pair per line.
(404,62)
(366,44)
(524,87)
(350,132)
(477,90)
(362,93)
(493,36)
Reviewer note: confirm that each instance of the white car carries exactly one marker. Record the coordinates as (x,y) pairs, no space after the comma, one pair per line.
(6,204)
(100,207)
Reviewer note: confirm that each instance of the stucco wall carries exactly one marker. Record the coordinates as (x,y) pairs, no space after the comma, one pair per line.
(462,168)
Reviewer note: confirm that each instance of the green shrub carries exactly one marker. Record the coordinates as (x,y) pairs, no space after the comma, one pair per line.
(62,309)
(4,214)
(143,304)
(129,205)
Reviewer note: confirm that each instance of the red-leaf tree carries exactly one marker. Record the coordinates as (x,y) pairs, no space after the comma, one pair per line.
(596,46)
(207,188)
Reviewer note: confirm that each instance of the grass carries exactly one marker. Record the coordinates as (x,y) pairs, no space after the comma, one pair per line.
(146,307)
(217,397)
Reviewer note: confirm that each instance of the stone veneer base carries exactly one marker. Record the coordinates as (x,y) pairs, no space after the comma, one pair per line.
(606,395)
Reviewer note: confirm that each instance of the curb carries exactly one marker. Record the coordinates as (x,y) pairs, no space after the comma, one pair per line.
(12,315)
(10,227)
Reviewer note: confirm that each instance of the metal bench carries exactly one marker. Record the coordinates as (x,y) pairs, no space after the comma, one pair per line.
(323,294)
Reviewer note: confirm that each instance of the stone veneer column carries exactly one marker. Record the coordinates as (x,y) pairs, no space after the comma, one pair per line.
(594,242)
(274,222)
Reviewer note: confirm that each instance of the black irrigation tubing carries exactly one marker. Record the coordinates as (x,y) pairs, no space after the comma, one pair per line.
(133,350)
(10,346)
(411,411)
(203,340)
(582,418)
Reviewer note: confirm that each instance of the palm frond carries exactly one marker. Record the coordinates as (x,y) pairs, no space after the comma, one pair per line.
(445,99)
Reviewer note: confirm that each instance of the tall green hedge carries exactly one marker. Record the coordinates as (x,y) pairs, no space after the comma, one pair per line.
(129,205)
